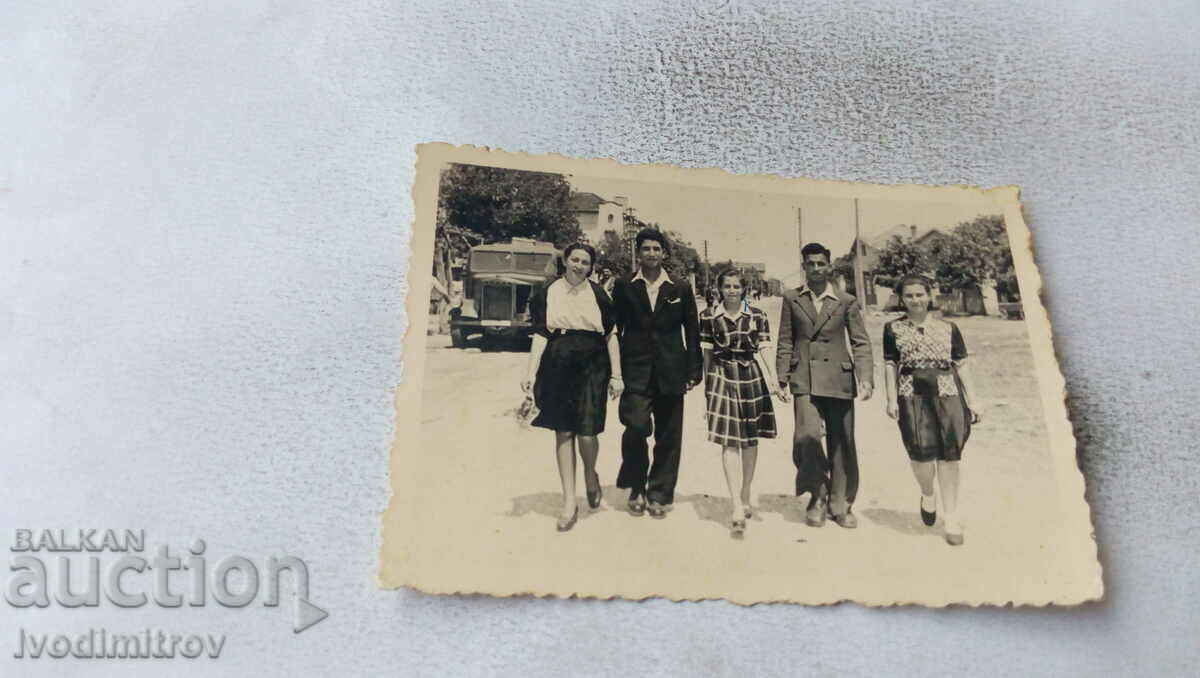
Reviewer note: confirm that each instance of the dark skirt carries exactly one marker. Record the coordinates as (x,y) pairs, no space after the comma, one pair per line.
(934,420)
(572,383)
(738,403)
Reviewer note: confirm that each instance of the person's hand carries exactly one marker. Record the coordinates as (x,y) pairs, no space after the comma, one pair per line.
(692,383)
(975,418)
(866,390)
(527,386)
(893,410)
(615,387)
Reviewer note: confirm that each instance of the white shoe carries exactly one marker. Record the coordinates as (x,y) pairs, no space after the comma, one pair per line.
(954,529)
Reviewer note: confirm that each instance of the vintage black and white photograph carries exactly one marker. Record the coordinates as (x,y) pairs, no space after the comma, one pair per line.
(647,381)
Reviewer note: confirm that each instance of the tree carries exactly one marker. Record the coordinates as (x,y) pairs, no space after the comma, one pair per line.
(499,204)
(684,258)
(900,258)
(975,251)
(615,251)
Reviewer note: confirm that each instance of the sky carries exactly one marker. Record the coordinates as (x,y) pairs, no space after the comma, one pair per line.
(759,227)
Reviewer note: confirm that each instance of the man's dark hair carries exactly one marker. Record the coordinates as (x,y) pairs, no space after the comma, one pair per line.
(651,234)
(813,249)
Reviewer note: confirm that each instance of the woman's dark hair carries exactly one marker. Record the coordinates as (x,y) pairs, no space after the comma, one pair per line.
(591,251)
(731,272)
(921,280)
(651,234)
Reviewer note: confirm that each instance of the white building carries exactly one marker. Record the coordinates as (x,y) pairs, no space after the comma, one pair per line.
(597,215)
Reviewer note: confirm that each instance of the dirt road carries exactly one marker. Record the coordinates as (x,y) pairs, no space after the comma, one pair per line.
(488,495)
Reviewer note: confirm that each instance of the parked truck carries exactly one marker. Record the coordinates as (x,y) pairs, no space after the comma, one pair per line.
(497,282)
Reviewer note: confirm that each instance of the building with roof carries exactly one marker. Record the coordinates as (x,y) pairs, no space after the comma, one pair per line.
(596,214)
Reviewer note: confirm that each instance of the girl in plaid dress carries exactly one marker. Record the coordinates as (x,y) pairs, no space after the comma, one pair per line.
(738,384)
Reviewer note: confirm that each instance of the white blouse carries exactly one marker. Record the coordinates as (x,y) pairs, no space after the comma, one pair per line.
(572,307)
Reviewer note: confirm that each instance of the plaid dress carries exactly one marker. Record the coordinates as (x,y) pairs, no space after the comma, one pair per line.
(737,398)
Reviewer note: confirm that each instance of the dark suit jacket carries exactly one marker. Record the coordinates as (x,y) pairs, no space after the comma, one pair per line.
(812,356)
(651,341)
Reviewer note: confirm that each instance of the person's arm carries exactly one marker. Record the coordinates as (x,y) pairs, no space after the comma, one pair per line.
(535,360)
(967,379)
(860,346)
(691,335)
(891,356)
(541,336)
(889,382)
(616,383)
(707,362)
(958,353)
(620,311)
(706,342)
(760,357)
(783,349)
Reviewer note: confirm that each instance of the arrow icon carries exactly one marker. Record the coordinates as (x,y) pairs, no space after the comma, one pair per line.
(307,614)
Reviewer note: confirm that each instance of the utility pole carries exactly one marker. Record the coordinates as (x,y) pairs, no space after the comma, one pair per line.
(800,230)
(632,242)
(706,282)
(859,287)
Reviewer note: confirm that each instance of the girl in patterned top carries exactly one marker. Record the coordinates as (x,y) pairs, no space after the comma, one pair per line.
(737,384)
(925,364)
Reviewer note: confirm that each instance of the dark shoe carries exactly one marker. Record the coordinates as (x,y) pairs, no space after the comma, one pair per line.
(656,510)
(565,524)
(737,529)
(846,520)
(637,504)
(928,517)
(594,497)
(815,516)
(749,512)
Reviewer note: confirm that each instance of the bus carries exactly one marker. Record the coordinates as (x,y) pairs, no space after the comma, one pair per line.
(498,280)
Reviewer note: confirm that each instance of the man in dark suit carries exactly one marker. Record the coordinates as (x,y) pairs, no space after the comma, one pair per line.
(660,361)
(813,362)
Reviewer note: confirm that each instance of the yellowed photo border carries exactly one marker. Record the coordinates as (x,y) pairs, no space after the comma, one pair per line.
(435,539)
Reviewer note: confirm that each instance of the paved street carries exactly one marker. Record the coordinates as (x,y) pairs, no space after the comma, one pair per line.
(488,496)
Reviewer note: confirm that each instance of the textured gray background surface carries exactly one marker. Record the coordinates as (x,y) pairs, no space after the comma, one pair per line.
(204,211)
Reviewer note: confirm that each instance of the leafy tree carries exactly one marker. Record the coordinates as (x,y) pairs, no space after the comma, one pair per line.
(974,252)
(902,257)
(684,258)
(499,204)
(614,251)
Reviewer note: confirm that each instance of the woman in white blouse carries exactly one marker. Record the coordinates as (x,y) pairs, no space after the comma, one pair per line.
(574,360)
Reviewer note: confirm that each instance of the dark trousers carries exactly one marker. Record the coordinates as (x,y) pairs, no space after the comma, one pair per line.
(657,482)
(839,472)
